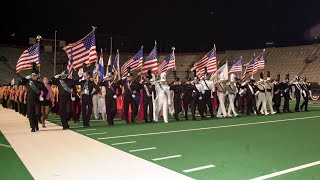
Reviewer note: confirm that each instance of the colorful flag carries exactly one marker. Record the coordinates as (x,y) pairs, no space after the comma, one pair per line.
(115,66)
(151,62)
(28,56)
(83,51)
(168,63)
(209,61)
(101,66)
(70,65)
(134,63)
(237,67)
(259,63)
(249,67)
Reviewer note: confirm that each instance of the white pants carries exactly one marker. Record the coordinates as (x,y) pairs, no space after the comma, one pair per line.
(269,101)
(262,99)
(161,104)
(231,105)
(222,107)
(102,107)
(95,106)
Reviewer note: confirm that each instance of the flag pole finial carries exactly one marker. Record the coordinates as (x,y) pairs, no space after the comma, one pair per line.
(94,28)
(173,48)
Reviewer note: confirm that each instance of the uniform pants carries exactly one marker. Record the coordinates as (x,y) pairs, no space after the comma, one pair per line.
(177,107)
(298,97)
(305,102)
(262,102)
(76,110)
(269,101)
(148,105)
(222,107)
(277,102)
(186,104)
(86,109)
(231,98)
(111,108)
(162,104)
(207,102)
(34,114)
(95,106)
(65,110)
(130,101)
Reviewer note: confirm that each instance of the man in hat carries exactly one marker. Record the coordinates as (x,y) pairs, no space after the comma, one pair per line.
(286,88)
(250,88)
(113,91)
(87,87)
(163,100)
(297,92)
(177,89)
(148,90)
(65,86)
(34,87)
(231,90)
(261,93)
(277,92)
(198,99)
(269,92)
(220,86)
(306,93)
(207,96)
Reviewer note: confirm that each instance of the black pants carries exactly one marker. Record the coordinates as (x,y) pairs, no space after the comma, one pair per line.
(207,102)
(148,103)
(86,109)
(277,102)
(186,104)
(65,110)
(34,114)
(196,103)
(177,107)
(286,102)
(305,102)
(111,108)
(298,97)
(128,100)
(251,104)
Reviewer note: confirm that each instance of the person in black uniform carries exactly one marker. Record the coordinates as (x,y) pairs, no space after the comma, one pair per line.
(189,91)
(87,86)
(306,93)
(130,92)
(297,93)
(250,89)
(286,88)
(177,89)
(34,87)
(65,105)
(240,99)
(148,89)
(207,96)
(113,91)
(277,92)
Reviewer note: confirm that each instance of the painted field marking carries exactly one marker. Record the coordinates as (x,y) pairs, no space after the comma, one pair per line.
(287,171)
(91,134)
(168,157)
(199,168)
(144,149)
(4,145)
(206,128)
(129,142)
(83,130)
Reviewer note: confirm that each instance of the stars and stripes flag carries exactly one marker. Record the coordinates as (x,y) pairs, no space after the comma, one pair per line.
(168,63)
(134,63)
(259,63)
(249,67)
(28,56)
(115,66)
(151,62)
(237,67)
(209,61)
(70,65)
(83,51)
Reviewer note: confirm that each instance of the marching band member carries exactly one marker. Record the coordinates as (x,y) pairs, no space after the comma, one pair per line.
(306,93)
(231,90)
(269,92)
(261,93)
(220,86)
(277,92)
(163,99)
(249,88)
(148,89)
(297,92)
(177,89)
(207,96)
(198,99)
(286,88)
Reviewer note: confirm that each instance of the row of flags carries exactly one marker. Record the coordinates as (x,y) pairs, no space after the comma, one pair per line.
(84,51)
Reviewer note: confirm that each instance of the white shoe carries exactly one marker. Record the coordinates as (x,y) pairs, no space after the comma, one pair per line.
(274,113)
(266,114)
(236,115)
(219,116)
(230,115)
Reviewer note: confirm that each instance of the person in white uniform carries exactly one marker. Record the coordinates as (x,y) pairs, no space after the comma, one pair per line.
(102,102)
(221,97)
(162,99)
(261,93)
(95,105)
(231,90)
(207,97)
(269,92)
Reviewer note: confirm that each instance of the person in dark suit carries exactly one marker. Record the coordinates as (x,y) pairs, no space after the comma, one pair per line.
(250,89)
(286,88)
(306,93)
(148,89)
(277,92)
(297,93)
(177,89)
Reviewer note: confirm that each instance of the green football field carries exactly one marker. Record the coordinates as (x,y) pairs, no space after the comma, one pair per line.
(11,167)
(245,147)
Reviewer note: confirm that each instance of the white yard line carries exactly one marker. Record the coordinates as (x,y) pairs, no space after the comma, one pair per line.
(129,142)
(198,168)
(4,145)
(287,171)
(206,128)
(144,149)
(83,130)
(91,134)
(167,157)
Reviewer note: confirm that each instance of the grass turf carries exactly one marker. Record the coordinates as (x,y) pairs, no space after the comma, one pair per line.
(241,152)
(11,167)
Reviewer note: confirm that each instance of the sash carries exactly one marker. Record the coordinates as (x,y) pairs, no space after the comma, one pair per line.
(128,85)
(34,88)
(65,87)
(111,87)
(206,85)
(147,90)
(165,93)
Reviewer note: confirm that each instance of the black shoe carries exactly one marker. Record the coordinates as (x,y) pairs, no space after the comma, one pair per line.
(37,128)
(32,130)
(65,128)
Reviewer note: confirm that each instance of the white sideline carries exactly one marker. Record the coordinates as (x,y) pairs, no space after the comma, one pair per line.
(168,157)
(198,168)
(4,145)
(56,154)
(129,142)
(84,130)
(91,134)
(206,128)
(287,171)
(144,149)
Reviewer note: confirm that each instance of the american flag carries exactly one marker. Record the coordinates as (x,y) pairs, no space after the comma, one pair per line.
(168,63)
(249,68)
(209,61)
(237,67)
(83,51)
(115,66)
(151,62)
(259,63)
(134,63)
(70,66)
(28,56)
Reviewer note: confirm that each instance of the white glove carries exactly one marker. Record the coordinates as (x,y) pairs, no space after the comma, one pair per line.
(28,77)
(134,96)
(200,97)
(114,97)
(73,98)
(41,98)
(57,76)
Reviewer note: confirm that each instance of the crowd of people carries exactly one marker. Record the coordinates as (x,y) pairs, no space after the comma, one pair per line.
(70,98)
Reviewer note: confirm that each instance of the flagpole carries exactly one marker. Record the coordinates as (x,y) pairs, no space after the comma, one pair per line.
(55,53)
(118,63)
(38,39)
